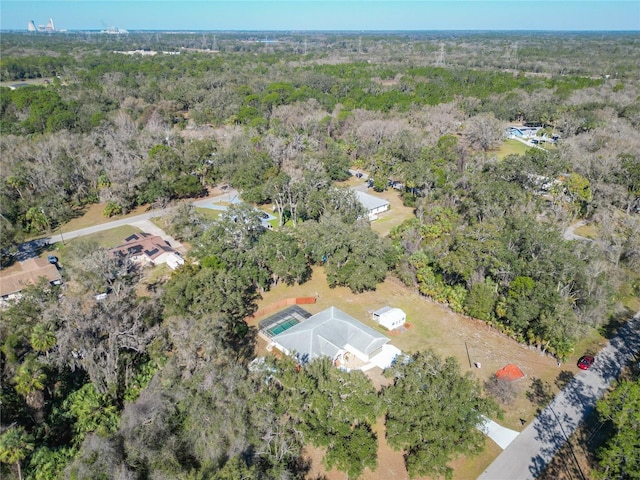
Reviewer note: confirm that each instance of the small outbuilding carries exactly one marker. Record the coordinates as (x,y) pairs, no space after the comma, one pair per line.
(174,260)
(390,317)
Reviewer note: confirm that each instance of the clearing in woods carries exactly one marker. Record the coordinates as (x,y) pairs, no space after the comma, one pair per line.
(469,341)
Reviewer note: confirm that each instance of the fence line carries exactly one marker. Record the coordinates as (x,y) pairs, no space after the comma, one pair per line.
(282,303)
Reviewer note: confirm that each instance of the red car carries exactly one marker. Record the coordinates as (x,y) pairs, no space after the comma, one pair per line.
(585,362)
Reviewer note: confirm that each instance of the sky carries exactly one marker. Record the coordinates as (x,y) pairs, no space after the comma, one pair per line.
(299,15)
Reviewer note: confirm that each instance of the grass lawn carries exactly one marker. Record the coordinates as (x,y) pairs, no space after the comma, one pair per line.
(510,147)
(208,213)
(106,239)
(397,213)
(587,231)
(92,215)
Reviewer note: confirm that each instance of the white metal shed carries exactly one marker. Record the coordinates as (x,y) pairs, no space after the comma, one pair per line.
(390,317)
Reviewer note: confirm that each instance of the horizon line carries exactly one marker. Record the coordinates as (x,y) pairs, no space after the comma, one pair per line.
(129,30)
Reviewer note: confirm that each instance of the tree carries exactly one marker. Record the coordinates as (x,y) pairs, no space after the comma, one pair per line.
(184,222)
(432,412)
(336,163)
(15,446)
(484,131)
(10,238)
(43,338)
(94,267)
(106,338)
(481,301)
(283,257)
(196,291)
(579,190)
(91,412)
(331,408)
(37,219)
(99,457)
(620,456)
(276,188)
(353,254)
(234,233)
(29,382)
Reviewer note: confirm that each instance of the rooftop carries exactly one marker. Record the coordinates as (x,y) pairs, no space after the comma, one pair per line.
(143,244)
(329,333)
(370,202)
(31,272)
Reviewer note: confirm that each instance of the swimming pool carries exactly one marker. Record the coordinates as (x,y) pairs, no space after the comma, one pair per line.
(283,321)
(281,327)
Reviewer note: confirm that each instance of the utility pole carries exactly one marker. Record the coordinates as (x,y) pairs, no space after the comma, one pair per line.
(440,58)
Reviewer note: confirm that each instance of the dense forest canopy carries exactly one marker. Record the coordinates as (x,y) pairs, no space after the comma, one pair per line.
(163,384)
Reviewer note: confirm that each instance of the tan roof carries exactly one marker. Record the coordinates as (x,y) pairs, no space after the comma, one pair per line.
(32,270)
(142,243)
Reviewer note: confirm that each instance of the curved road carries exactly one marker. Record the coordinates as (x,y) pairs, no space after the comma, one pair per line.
(570,232)
(136,219)
(528,455)
(30,249)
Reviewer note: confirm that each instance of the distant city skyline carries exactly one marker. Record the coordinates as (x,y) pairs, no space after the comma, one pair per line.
(306,15)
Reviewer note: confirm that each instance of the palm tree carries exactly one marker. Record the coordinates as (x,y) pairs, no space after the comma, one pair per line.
(29,382)
(15,444)
(43,338)
(37,219)
(17,183)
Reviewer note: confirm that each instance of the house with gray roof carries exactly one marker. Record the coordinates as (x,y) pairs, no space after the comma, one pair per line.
(373,205)
(331,333)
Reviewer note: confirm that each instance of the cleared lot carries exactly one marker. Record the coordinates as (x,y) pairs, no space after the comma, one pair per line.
(448,334)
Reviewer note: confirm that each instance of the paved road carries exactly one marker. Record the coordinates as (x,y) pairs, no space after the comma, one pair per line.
(135,219)
(31,249)
(527,456)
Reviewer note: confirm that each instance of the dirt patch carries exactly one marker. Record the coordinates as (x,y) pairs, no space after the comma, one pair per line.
(393,217)
(396,214)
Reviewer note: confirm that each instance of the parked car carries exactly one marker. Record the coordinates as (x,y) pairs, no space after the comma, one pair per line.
(52,259)
(585,362)
(264,215)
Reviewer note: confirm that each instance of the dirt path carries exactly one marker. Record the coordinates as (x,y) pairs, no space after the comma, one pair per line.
(569,233)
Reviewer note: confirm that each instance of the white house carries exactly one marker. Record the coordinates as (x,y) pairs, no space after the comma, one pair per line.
(331,333)
(390,317)
(522,132)
(373,205)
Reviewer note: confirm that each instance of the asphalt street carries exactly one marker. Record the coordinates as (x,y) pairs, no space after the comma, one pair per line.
(527,456)
(30,249)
